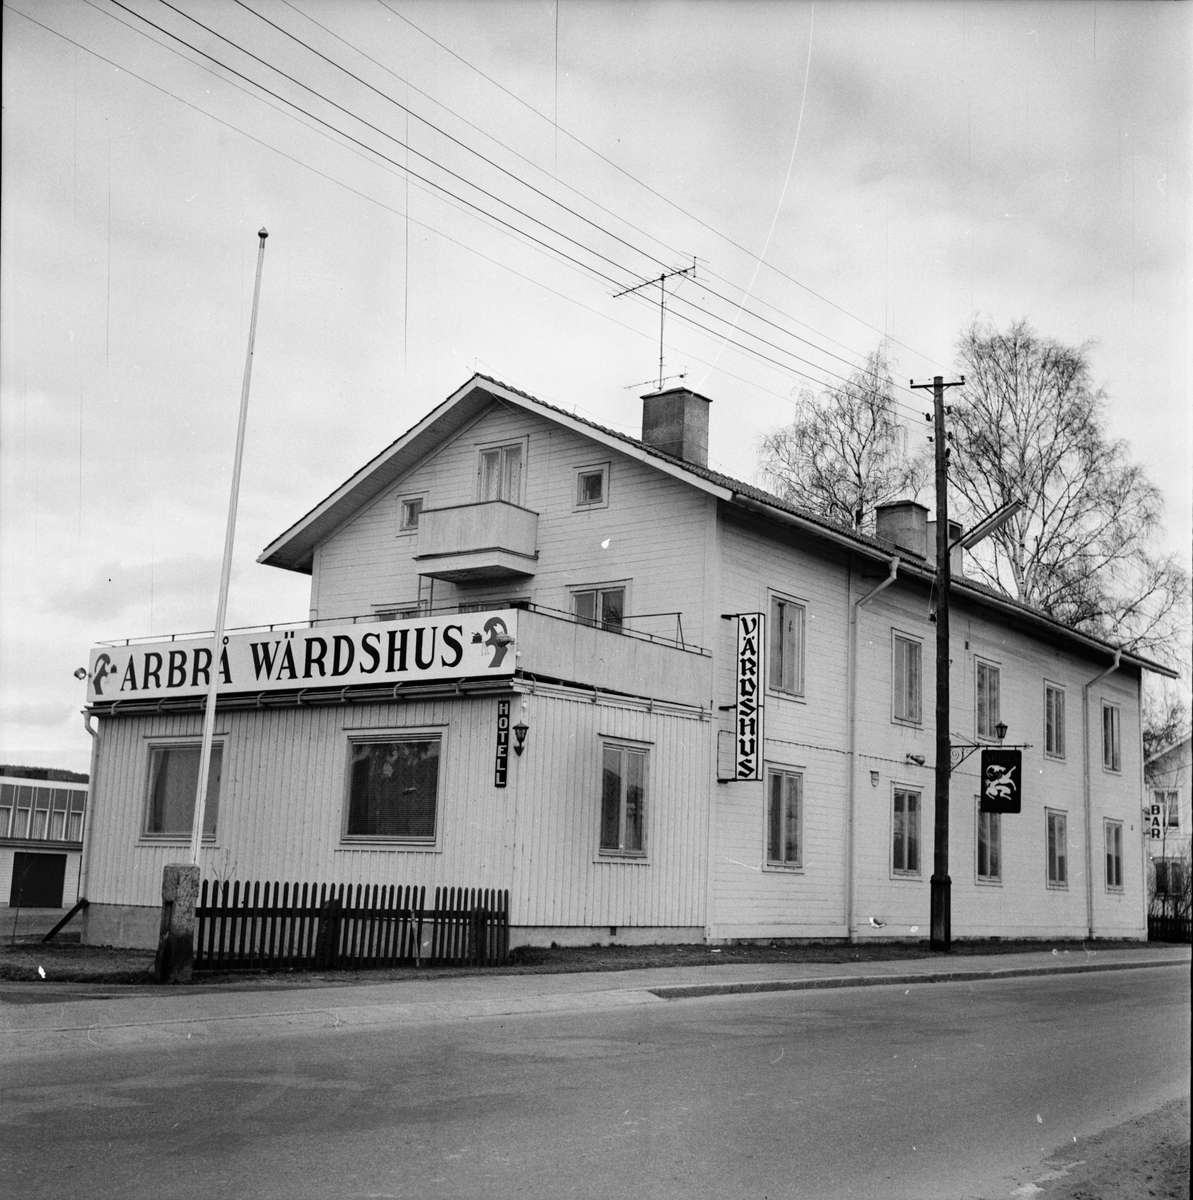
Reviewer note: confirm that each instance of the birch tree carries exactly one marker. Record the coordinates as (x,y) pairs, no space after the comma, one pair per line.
(1029,424)
(844,454)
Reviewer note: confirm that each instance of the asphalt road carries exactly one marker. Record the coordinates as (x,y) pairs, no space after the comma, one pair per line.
(940,1090)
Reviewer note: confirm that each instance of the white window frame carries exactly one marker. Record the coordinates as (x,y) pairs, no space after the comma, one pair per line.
(597,590)
(1057,880)
(993,823)
(905,872)
(382,736)
(214,780)
(1054,722)
(523,446)
(1114,750)
(991,719)
(1169,800)
(621,853)
(405,529)
(783,774)
(917,717)
(581,505)
(1112,836)
(798,688)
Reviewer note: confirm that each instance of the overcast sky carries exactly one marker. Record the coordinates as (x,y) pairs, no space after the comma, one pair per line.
(860,170)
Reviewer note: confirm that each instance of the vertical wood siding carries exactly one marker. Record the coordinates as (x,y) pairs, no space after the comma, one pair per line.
(284,782)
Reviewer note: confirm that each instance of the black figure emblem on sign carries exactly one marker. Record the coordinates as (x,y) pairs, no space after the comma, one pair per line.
(1002,780)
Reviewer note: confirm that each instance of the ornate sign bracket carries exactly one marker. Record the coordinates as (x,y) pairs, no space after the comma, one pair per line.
(960,751)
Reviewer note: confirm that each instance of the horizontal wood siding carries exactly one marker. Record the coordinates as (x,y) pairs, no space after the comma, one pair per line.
(654,527)
(807,734)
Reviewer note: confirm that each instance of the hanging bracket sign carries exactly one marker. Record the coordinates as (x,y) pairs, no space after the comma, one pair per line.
(748,748)
(1002,781)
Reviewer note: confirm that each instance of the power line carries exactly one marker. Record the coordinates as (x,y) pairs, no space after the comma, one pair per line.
(666,200)
(431,183)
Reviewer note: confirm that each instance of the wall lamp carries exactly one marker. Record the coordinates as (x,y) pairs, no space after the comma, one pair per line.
(520,732)
(1000,731)
(918,759)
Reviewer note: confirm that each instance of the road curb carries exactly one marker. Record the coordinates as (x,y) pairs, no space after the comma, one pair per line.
(683,991)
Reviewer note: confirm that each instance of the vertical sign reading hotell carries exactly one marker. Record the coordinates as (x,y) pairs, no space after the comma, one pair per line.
(748,748)
(501,767)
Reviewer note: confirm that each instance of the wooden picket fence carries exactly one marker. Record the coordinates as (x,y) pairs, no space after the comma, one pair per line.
(1164,928)
(320,927)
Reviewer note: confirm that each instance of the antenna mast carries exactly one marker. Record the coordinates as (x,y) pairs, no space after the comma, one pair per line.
(662,282)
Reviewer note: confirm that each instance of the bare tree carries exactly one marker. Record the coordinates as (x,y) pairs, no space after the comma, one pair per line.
(843,455)
(1028,425)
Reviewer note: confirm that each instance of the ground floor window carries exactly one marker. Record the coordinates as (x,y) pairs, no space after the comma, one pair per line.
(990,846)
(905,850)
(1058,849)
(1114,855)
(1170,877)
(623,800)
(785,819)
(393,789)
(173,784)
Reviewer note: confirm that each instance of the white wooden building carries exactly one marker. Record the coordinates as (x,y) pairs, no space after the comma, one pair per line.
(507,556)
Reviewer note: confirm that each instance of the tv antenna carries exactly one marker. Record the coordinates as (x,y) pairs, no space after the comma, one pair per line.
(662,282)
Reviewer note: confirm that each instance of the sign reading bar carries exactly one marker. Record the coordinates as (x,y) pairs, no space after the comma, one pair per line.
(1002,781)
(379,653)
(502,766)
(748,750)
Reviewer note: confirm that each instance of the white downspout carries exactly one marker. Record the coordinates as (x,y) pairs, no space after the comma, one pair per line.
(1089,833)
(89,810)
(851,789)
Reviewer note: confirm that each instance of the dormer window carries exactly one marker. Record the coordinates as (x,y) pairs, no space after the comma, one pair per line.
(499,473)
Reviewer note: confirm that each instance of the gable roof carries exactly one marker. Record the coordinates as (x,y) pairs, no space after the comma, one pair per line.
(294,549)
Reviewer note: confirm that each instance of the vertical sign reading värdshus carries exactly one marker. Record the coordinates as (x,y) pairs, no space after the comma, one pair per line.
(501,769)
(748,749)
(1002,778)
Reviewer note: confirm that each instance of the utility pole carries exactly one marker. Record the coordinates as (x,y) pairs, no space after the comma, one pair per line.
(941,894)
(661,281)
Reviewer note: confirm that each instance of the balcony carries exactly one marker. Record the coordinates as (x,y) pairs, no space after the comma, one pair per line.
(468,543)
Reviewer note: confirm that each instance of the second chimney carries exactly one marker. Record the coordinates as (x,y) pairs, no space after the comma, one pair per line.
(676,422)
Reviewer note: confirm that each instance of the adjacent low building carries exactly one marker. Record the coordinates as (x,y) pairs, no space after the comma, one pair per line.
(652,701)
(42,813)
(1169,825)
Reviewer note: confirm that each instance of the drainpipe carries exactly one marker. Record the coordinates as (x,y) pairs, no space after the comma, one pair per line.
(1089,833)
(850,872)
(89,811)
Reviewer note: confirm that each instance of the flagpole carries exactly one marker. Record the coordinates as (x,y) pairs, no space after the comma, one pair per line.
(225,576)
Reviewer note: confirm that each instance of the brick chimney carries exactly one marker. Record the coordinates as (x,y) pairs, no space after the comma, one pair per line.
(956,560)
(904,524)
(676,422)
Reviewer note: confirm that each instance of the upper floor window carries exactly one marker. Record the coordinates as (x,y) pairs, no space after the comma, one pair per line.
(173,784)
(1111,739)
(499,473)
(908,654)
(786,672)
(409,512)
(1169,802)
(592,486)
(1054,721)
(785,820)
(600,606)
(987,682)
(41,811)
